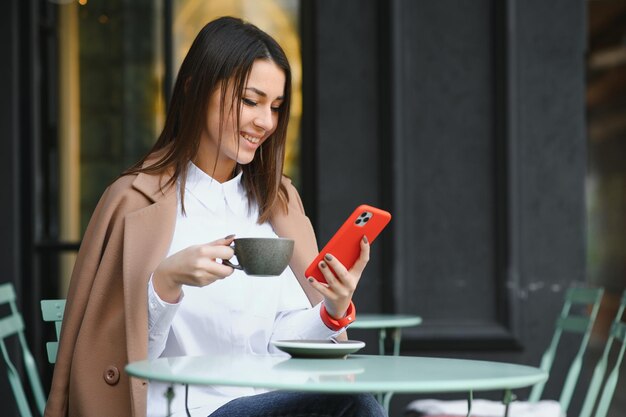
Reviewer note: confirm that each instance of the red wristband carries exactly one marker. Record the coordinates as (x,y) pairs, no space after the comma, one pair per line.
(337,324)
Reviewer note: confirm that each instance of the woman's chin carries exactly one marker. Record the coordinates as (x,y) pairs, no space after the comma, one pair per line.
(245,159)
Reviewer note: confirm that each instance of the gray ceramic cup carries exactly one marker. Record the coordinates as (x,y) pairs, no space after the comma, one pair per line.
(260,256)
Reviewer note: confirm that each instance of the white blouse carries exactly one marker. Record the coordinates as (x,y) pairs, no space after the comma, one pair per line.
(238,314)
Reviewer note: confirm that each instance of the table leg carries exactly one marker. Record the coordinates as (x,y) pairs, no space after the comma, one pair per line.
(508,398)
(169,395)
(385,398)
(382,336)
(187,400)
(469,403)
(397,337)
(387,401)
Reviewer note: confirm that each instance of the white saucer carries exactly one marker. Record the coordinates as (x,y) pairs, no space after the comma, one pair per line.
(318,348)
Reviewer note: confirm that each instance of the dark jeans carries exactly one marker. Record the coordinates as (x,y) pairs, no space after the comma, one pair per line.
(301,404)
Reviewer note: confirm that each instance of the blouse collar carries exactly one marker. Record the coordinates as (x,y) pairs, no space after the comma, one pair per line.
(215,195)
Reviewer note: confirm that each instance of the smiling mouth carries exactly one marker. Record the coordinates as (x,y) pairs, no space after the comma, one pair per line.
(251,139)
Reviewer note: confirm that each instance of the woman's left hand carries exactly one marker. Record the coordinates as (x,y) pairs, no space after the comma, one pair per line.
(340,282)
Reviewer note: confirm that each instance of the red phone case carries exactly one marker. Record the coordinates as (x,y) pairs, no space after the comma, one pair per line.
(344,245)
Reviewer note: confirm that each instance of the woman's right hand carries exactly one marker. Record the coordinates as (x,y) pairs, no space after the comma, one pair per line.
(195,266)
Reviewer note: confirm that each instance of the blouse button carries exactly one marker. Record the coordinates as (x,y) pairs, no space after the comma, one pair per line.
(111,375)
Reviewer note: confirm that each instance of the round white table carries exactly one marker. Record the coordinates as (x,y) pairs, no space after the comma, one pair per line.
(356,373)
(383,322)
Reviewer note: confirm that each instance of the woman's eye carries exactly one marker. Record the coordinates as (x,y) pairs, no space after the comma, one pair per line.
(276,109)
(248,102)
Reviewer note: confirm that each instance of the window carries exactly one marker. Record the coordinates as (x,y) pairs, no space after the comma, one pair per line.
(111,63)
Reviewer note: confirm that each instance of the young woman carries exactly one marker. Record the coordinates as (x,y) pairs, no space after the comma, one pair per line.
(146,284)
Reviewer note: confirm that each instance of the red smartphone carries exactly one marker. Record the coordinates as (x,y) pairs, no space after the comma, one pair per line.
(345,244)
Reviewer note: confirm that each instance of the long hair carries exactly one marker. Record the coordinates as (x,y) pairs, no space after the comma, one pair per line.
(222,53)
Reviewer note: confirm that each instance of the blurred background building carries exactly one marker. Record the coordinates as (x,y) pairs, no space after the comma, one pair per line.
(493,130)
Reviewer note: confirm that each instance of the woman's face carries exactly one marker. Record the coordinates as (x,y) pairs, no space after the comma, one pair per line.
(260,105)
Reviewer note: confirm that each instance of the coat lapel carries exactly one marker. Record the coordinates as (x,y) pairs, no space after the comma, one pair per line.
(147,236)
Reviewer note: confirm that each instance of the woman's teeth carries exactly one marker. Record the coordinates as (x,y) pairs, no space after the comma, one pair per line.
(250,139)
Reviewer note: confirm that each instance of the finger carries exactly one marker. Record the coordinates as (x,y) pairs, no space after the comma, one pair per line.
(335,288)
(364,257)
(213,252)
(222,271)
(217,270)
(320,287)
(340,270)
(223,241)
(328,274)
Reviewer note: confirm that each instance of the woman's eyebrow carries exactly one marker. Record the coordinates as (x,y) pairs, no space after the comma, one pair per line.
(261,93)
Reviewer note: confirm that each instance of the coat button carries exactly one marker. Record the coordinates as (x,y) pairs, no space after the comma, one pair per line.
(111,375)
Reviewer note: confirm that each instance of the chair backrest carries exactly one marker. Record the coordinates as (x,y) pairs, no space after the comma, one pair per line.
(53,310)
(13,325)
(617,334)
(570,321)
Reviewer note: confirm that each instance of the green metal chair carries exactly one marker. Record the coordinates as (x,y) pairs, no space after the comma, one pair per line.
(52,311)
(617,333)
(13,325)
(572,323)
(571,320)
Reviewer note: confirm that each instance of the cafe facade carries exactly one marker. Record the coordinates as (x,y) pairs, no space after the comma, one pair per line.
(469,121)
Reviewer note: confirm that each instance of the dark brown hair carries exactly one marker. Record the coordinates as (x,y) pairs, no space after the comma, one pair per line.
(222,53)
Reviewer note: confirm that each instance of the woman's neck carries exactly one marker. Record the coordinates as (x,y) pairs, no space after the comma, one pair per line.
(221,171)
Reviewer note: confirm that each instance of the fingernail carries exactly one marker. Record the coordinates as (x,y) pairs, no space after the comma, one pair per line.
(322,264)
(229,237)
(364,239)
(311,280)
(328,257)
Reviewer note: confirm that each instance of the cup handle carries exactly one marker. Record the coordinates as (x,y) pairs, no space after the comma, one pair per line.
(232,265)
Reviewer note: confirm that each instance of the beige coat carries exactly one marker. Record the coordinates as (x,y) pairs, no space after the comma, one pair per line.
(106,317)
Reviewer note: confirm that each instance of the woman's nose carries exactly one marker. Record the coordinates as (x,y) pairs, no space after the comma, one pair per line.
(265,119)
